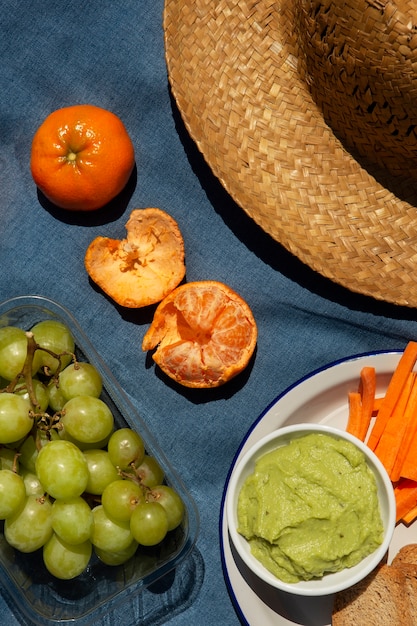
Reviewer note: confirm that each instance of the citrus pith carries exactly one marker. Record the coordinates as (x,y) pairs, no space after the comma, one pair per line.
(81,157)
(204,334)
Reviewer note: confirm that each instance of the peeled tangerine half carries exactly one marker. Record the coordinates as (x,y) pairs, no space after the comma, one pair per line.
(143,268)
(204,334)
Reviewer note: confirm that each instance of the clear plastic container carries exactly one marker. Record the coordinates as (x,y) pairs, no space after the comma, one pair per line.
(43,599)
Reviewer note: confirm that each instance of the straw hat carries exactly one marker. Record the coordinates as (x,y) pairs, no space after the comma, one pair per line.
(306,111)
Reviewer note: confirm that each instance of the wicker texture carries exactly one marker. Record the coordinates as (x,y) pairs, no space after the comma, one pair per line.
(244,75)
(359,58)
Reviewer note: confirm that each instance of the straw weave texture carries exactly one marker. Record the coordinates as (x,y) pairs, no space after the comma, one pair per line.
(306,112)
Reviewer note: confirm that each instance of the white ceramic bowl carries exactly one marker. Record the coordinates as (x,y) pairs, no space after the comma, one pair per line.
(332,582)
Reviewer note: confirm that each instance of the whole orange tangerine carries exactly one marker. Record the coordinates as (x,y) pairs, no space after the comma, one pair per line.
(81,157)
(204,334)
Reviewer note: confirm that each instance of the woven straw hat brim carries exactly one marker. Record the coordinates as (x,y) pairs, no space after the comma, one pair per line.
(232,67)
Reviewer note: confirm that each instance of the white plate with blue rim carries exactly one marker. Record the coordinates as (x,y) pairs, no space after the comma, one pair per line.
(320,397)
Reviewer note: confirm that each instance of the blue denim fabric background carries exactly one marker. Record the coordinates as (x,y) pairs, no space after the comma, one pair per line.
(55,54)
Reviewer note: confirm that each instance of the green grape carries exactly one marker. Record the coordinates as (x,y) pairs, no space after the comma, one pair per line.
(97,445)
(80,379)
(30,527)
(87,420)
(62,469)
(32,483)
(13,351)
(101,471)
(15,421)
(29,448)
(126,447)
(9,459)
(56,337)
(117,558)
(55,397)
(150,472)
(149,523)
(172,503)
(72,520)
(120,498)
(41,394)
(66,561)
(109,535)
(12,493)
(28,453)
(72,462)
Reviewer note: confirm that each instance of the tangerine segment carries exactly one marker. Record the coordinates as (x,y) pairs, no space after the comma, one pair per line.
(81,157)
(143,268)
(204,334)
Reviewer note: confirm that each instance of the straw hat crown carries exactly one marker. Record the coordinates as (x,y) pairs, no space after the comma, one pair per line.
(359,58)
(306,112)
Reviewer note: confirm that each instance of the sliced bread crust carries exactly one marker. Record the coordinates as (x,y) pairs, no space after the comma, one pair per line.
(381,599)
(406,554)
(406,561)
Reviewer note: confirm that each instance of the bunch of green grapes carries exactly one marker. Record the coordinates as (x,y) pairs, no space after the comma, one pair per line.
(71,482)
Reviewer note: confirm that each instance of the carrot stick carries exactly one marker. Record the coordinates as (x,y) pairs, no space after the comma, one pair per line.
(393,392)
(354,424)
(410,516)
(377,405)
(405,496)
(361,404)
(392,436)
(367,387)
(409,468)
(405,459)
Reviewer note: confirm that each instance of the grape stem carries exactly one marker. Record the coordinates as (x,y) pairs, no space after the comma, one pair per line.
(135,476)
(15,465)
(26,372)
(32,347)
(27,368)
(47,422)
(41,421)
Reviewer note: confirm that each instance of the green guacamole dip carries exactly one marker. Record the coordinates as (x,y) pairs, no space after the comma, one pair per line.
(310,508)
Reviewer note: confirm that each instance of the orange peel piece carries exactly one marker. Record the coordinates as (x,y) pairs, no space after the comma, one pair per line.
(143,268)
(204,334)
